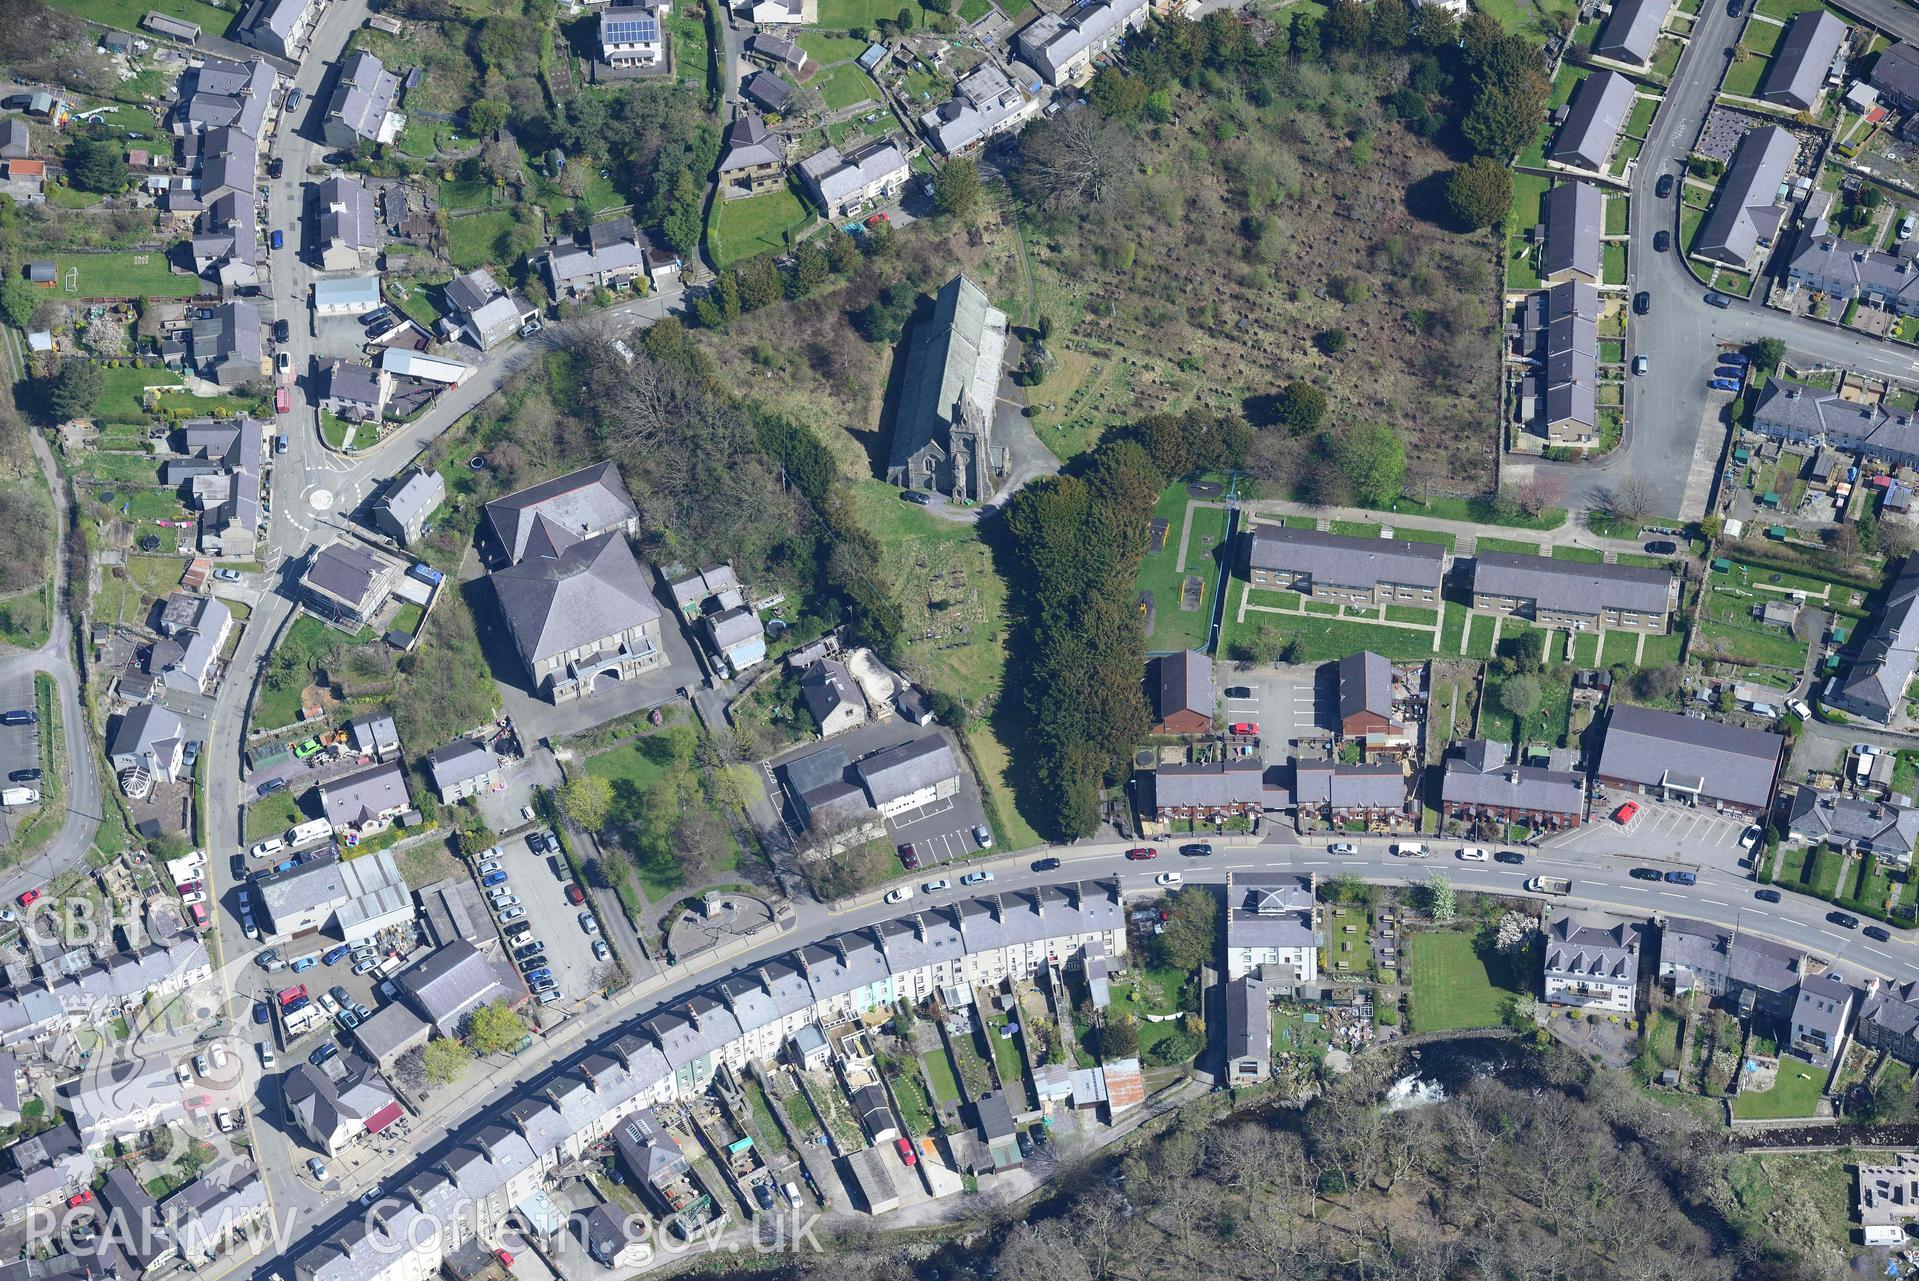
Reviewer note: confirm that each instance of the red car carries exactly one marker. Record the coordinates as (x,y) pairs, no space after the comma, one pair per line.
(909,858)
(879,218)
(1139,852)
(1626,813)
(1246,727)
(79,1199)
(29,898)
(907,1154)
(505,1257)
(288,995)
(199,913)
(575,895)
(281,401)
(191,887)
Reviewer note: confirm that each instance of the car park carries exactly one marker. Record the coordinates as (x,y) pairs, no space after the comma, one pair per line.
(1046,865)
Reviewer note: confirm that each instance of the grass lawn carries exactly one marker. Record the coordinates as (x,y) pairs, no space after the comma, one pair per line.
(1795,1093)
(272,815)
(1742,78)
(1455,986)
(310,641)
(1323,638)
(1347,951)
(121,391)
(1548,723)
(649,772)
(939,1070)
(1162,573)
(855,15)
(126,14)
(739,229)
(1614,253)
(825,48)
(123,275)
(843,86)
(477,239)
(1012,1069)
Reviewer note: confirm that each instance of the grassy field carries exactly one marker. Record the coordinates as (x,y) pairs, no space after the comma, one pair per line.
(824,48)
(311,642)
(739,229)
(1548,722)
(843,86)
(122,275)
(1454,985)
(653,779)
(477,239)
(272,815)
(939,1070)
(1162,573)
(121,392)
(1320,638)
(126,14)
(1795,1093)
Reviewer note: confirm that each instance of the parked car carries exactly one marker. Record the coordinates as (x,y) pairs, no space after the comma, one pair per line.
(905,1147)
(1723,384)
(28,898)
(1140,853)
(512,914)
(1844,919)
(1046,865)
(20,716)
(1644,874)
(534,976)
(1797,706)
(918,496)
(1342,847)
(528,949)
(1663,187)
(909,858)
(976,878)
(493,878)
(321,1055)
(304,964)
(25,776)
(282,400)
(1660,547)
(1626,813)
(1661,241)
(1640,364)
(282,330)
(791,1191)
(16,102)
(588,924)
(283,361)
(574,894)
(334,955)
(1716,299)
(1409,850)
(935,887)
(1879,932)
(377,317)
(1739,358)
(1767,896)
(1472,854)
(530,328)
(491,865)
(1682,878)
(271,786)
(279,239)
(1198,849)
(1171,880)
(600,950)
(1750,837)
(315,1166)
(983,836)
(1244,727)
(1641,303)
(763,1196)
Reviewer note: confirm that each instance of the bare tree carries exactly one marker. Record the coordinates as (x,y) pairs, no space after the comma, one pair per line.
(1072,160)
(1538,492)
(1632,499)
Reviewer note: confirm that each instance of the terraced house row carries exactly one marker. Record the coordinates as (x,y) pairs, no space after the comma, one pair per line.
(674,1053)
(1372,572)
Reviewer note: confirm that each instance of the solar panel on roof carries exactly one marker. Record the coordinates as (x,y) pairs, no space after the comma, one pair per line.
(632,31)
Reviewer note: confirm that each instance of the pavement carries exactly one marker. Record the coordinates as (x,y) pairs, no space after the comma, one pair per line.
(1674,427)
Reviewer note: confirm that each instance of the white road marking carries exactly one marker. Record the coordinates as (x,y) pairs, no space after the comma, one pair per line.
(1715,902)
(1876,952)
(1841,937)
(1670,894)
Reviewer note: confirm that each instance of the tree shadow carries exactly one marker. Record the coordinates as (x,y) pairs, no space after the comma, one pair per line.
(1426,201)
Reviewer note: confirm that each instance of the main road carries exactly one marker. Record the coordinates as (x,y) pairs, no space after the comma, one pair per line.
(1600,880)
(1675,427)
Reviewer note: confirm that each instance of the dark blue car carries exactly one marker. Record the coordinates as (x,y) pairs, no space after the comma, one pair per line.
(493,878)
(1735,358)
(534,976)
(334,955)
(1681,878)
(1723,384)
(322,1054)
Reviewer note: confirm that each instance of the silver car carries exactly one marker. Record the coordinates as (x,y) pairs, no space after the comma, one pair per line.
(513,914)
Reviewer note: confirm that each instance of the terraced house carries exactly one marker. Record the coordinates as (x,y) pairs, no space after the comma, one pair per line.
(1479,781)
(1575,594)
(1338,567)
(515,1152)
(1803,415)
(1886,655)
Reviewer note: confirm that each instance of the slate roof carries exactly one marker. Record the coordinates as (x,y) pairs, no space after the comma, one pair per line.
(365,794)
(1802,60)
(347,215)
(145,730)
(458,762)
(447,984)
(1877,827)
(1488,779)
(1346,561)
(1823,1004)
(549,517)
(1897,71)
(471,291)
(1185,684)
(827,686)
(764,44)
(1575,217)
(1748,208)
(1793,411)
(1571,586)
(897,772)
(588,592)
(415,492)
(835,176)
(1651,748)
(1211,785)
(1269,910)
(1856,269)
(1888,647)
(352,383)
(749,144)
(954,357)
(363,95)
(1631,34)
(1591,946)
(1598,110)
(767,91)
(981,102)
(345,571)
(1343,786)
(1365,684)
